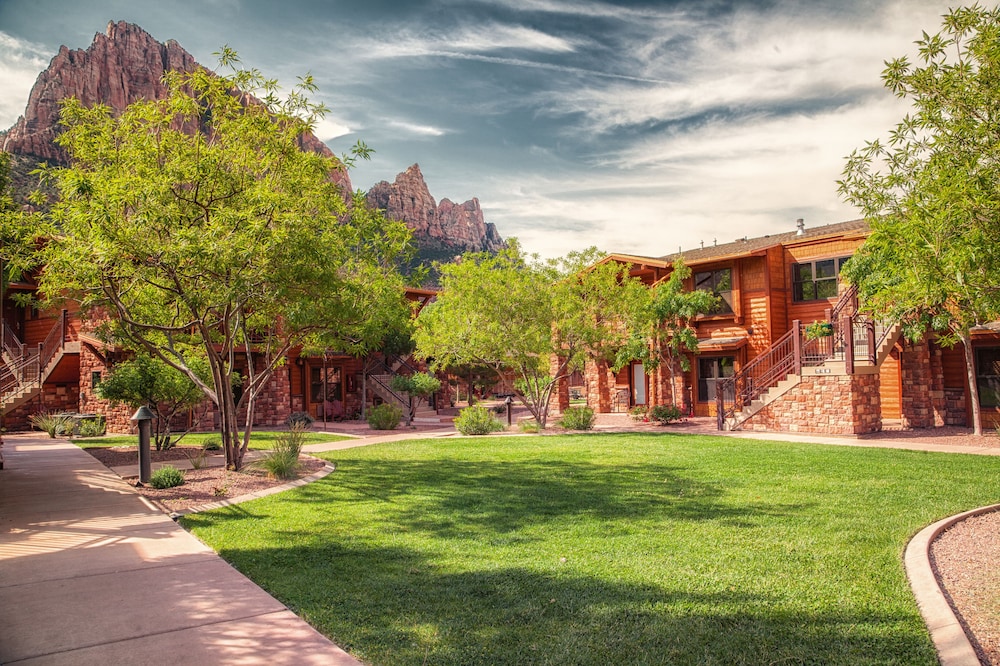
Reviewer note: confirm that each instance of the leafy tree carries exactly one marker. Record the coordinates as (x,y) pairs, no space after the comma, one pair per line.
(932,191)
(144,380)
(203,229)
(664,329)
(419,386)
(19,233)
(520,316)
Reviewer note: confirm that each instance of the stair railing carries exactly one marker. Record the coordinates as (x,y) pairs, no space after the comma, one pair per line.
(54,342)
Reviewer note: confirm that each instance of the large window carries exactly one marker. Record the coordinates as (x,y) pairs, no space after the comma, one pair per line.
(816,279)
(710,370)
(988,376)
(720,283)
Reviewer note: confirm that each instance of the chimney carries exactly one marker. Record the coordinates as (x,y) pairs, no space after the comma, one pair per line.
(800,225)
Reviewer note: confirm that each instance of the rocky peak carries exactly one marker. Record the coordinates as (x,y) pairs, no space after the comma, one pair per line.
(121,66)
(444,225)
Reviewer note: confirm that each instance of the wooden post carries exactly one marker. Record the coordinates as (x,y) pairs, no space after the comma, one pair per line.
(797,346)
(847,323)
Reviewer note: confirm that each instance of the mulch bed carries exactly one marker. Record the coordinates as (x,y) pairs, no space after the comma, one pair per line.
(201,486)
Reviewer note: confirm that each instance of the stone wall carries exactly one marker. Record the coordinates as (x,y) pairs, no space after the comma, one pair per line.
(63,397)
(833,405)
(600,383)
(917,408)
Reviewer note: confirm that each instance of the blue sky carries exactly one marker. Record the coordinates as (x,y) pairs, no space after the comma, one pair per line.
(639,127)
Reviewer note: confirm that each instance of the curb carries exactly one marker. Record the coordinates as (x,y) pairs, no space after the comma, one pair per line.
(953,645)
(328,469)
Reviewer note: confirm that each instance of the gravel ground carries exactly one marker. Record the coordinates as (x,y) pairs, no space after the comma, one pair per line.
(201,486)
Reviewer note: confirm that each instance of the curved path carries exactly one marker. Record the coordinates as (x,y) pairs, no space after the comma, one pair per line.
(92,574)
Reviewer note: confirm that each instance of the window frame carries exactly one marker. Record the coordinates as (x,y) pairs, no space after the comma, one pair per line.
(726,307)
(988,384)
(708,382)
(814,282)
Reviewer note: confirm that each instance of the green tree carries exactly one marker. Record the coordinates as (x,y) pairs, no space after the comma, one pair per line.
(533,320)
(419,387)
(663,329)
(144,380)
(931,192)
(204,231)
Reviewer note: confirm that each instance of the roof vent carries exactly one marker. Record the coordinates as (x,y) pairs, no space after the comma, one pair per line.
(800,225)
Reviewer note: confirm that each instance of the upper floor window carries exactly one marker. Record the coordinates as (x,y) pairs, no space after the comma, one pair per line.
(720,283)
(815,280)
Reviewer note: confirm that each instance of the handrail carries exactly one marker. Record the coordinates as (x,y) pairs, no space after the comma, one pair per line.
(782,359)
(386,370)
(54,342)
(11,342)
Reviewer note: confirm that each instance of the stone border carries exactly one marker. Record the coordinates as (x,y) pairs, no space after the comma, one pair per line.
(953,645)
(328,469)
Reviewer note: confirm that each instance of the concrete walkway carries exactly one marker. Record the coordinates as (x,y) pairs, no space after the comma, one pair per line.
(92,574)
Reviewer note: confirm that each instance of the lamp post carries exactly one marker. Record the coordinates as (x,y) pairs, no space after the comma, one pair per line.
(144,417)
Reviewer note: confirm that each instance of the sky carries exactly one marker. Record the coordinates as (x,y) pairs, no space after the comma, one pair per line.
(639,127)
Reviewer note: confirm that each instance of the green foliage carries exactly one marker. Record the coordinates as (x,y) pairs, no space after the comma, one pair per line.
(578,418)
(144,380)
(53,424)
(300,419)
(282,461)
(198,224)
(818,329)
(536,320)
(92,427)
(639,413)
(931,191)
(384,417)
(528,426)
(477,420)
(665,413)
(212,444)
(166,477)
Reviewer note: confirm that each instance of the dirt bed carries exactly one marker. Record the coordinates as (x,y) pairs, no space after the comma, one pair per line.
(201,486)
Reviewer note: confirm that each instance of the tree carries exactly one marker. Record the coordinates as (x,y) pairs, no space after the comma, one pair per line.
(664,330)
(203,230)
(419,386)
(534,320)
(931,193)
(144,380)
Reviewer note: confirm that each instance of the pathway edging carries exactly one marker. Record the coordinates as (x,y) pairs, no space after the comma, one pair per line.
(953,645)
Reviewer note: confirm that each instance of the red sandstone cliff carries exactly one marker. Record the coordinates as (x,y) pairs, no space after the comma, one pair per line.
(444,225)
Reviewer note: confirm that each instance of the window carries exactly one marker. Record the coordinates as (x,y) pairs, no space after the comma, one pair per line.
(710,370)
(328,390)
(988,376)
(816,280)
(720,283)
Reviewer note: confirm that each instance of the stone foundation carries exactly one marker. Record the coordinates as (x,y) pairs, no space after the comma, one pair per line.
(830,405)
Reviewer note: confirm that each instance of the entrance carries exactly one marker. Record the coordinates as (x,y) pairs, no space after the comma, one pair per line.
(326,392)
(638,384)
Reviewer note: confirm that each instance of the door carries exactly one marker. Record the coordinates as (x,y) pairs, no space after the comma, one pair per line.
(638,384)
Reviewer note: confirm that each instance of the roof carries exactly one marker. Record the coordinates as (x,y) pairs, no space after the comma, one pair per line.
(747,246)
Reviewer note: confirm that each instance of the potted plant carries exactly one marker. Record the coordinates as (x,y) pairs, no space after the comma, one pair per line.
(819,329)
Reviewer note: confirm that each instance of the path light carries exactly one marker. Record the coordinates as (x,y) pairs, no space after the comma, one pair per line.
(508,401)
(144,416)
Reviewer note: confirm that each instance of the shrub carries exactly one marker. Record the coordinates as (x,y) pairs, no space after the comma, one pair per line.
(477,420)
(577,418)
(212,444)
(384,417)
(51,423)
(300,418)
(528,425)
(166,477)
(282,461)
(665,413)
(639,413)
(500,408)
(92,427)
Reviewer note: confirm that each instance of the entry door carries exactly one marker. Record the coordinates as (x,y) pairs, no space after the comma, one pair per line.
(638,384)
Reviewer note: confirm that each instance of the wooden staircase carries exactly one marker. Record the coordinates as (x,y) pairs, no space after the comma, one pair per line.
(379,375)
(24,368)
(859,345)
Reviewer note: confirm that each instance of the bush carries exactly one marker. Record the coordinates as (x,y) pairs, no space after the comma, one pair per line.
(166,477)
(528,425)
(92,427)
(639,413)
(212,444)
(665,413)
(384,417)
(282,461)
(500,408)
(477,420)
(51,423)
(577,418)
(304,419)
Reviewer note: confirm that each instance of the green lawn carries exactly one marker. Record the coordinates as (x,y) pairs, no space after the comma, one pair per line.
(258,439)
(606,549)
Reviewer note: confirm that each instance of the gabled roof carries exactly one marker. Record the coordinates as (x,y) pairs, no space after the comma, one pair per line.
(747,246)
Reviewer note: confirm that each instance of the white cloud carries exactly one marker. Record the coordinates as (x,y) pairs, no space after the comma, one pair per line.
(479,39)
(20,64)
(328,128)
(413,128)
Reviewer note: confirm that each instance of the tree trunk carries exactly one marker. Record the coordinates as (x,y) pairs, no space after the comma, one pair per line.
(970,374)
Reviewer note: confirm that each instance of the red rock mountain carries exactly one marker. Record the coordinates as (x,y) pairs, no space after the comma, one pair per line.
(442,226)
(126,64)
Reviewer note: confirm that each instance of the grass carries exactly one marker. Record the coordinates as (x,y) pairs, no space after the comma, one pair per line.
(598,549)
(262,440)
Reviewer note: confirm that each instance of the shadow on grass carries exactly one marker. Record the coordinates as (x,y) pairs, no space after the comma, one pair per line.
(390,605)
(451,498)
